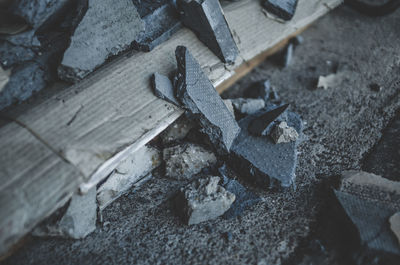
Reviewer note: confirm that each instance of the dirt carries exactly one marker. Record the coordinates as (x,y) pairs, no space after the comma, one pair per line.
(343,127)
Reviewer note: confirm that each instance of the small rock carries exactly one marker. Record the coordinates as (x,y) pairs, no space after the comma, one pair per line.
(177,130)
(203,102)
(163,88)
(283,9)
(282,133)
(394,221)
(248,105)
(128,172)
(107,29)
(203,200)
(78,221)
(370,201)
(263,122)
(329,81)
(207,20)
(375,87)
(184,161)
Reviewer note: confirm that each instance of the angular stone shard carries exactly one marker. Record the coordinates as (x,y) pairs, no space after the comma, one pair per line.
(207,20)
(203,200)
(263,123)
(248,105)
(78,221)
(163,88)
(370,201)
(200,98)
(244,198)
(184,161)
(161,21)
(282,133)
(107,29)
(263,161)
(283,9)
(129,171)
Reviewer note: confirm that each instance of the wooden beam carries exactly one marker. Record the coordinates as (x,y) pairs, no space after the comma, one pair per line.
(69,136)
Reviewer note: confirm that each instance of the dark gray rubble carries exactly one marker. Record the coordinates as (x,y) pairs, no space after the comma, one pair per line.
(161,20)
(163,88)
(283,9)
(107,29)
(203,102)
(370,201)
(207,20)
(261,160)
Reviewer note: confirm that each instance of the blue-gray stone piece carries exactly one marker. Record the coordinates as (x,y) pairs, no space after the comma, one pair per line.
(283,9)
(163,88)
(244,197)
(207,20)
(199,97)
(263,161)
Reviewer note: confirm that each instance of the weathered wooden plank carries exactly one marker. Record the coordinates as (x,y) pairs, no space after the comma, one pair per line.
(80,133)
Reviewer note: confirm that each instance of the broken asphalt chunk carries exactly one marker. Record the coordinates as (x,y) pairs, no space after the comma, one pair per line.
(163,88)
(203,199)
(207,20)
(370,201)
(263,161)
(200,98)
(244,198)
(185,160)
(107,29)
(283,9)
(263,123)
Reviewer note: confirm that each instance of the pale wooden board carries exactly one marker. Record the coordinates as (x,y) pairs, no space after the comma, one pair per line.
(93,125)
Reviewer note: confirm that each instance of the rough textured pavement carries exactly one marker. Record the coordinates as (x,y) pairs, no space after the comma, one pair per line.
(343,125)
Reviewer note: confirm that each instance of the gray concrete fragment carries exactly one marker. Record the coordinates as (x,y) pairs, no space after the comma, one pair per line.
(369,201)
(184,161)
(78,221)
(163,88)
(263,161)
(108,28)
(177,131)
(283,9)
(282,133)
(200,98)
(248,105)
(160,24)
(263,123)
(129,171)
(203,200)
(207,20)
(394,221)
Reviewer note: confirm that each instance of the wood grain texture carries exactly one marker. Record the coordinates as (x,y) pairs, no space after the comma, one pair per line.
(77,135)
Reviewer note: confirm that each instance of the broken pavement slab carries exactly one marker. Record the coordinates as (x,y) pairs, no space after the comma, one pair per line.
(284,9)
(129,171)
(108,28)
(77,222)
(248,105)
(261,160)
(185,160)
(203,199)
(370,201)
(200,98)
(163,88)
(207,20)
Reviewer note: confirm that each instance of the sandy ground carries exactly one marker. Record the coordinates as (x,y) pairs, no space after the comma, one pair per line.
(343,128)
